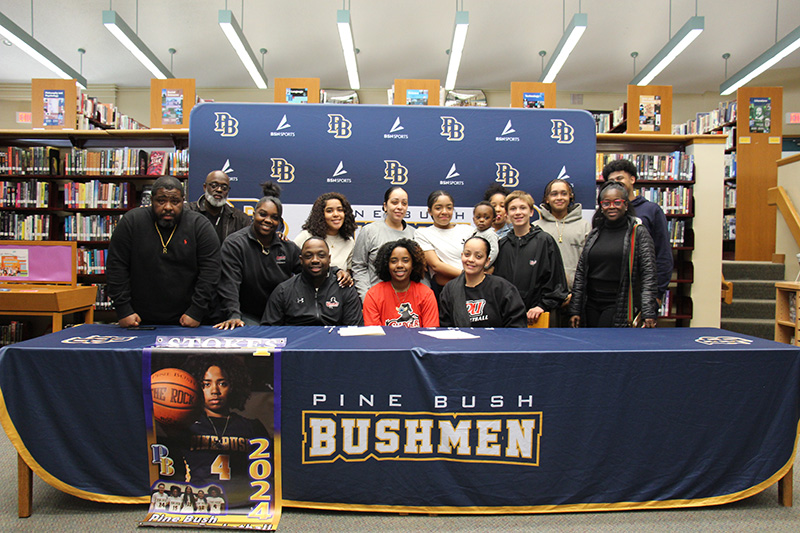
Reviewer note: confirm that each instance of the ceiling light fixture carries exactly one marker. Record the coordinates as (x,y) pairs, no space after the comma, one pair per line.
(124,34)
(677,44)
(37,51)
(565,46)
(348,47)
(775,53)
(234,33)
(456,48)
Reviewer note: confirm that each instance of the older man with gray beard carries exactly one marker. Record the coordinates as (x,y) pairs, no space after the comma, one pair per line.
(214,206)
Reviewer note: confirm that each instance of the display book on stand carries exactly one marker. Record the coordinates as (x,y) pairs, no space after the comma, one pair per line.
(667,180)
(720,121)
(78,194)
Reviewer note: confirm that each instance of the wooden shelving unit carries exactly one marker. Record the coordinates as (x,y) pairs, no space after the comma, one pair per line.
(787,303)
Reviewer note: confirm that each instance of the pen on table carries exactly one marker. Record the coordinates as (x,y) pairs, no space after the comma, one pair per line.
(330,329)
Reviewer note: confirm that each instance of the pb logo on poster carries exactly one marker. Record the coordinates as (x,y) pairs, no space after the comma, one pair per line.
(282,170)
(340,127)
(226,125)
(396,173)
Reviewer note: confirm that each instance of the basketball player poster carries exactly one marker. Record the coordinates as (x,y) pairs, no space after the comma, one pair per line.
(213,447)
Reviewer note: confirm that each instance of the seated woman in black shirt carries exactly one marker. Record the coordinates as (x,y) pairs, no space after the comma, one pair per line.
(475,299)
(616,279)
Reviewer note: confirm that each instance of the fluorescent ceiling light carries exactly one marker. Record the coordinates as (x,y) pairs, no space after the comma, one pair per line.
(683,38)
(457,48)
(236,37)
(36,50)
(119,29)
(348,47)
(565,46)
(778,51)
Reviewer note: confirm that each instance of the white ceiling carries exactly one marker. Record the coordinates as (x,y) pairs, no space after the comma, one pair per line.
(402,39)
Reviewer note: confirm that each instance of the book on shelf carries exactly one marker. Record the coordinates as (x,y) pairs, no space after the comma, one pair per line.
(729,227)
(96,195)
(675,166)
(21,227)
(710,121)
(157,166)
(80,227)
(673,201)
(25,194)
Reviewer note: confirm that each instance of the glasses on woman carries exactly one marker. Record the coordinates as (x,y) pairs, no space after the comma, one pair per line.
(618,202)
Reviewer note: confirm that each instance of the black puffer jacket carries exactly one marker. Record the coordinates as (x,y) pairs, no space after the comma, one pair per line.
(645,277)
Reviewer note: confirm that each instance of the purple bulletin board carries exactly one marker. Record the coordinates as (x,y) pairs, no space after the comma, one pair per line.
(38,262)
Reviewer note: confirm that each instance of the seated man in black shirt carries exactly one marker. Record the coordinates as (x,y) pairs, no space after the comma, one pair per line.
(313,297)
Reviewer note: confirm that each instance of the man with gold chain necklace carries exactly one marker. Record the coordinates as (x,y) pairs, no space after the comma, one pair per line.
(163,262)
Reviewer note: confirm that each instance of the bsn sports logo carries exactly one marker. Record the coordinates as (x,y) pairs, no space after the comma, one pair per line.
(226,125)
(507,175)
(282,170)
(338,172)
(452,129)
(393,131)
(453,173)
(561,131)
(332,303)
(396,173)
(282,125)
(340,127)
(508,130)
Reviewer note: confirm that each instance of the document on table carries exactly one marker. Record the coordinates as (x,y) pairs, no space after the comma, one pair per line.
(357,331)
(449,334)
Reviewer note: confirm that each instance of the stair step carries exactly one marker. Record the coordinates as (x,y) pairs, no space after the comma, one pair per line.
(761,328)
(750,308)
(753,289)
(752,270)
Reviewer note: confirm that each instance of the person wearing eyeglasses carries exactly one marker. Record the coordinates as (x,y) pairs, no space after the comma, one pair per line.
(616,278)
(650,213)
(214,206)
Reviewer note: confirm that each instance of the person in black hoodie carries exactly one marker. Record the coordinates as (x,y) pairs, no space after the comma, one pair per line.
(314,297)
(163,262)
(617,276)
(475,299)
(529,259)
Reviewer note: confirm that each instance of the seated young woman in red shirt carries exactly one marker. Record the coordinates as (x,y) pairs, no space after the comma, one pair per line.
(400,300)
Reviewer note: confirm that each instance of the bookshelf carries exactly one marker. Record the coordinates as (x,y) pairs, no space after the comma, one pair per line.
(786,306)
(683,173)
(76,185)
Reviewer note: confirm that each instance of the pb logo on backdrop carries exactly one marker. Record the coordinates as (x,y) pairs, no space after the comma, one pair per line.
(396,173)
(282,170)
(226,125)
(452,129)
(507,175)
(340,127)
(562,132)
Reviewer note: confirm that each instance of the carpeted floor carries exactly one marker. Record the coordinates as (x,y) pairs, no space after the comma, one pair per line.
(59,512)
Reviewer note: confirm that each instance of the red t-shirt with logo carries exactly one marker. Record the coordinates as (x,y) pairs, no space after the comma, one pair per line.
(415,308)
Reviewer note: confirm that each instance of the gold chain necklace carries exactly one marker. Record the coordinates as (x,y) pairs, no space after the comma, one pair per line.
(161,238)
(560,229)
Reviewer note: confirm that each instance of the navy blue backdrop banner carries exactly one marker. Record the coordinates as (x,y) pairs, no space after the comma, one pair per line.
(361,150)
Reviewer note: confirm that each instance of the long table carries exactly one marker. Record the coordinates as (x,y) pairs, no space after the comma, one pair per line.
(510,421)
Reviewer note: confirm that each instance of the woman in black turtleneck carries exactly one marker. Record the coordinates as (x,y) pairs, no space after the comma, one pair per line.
(612,285)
